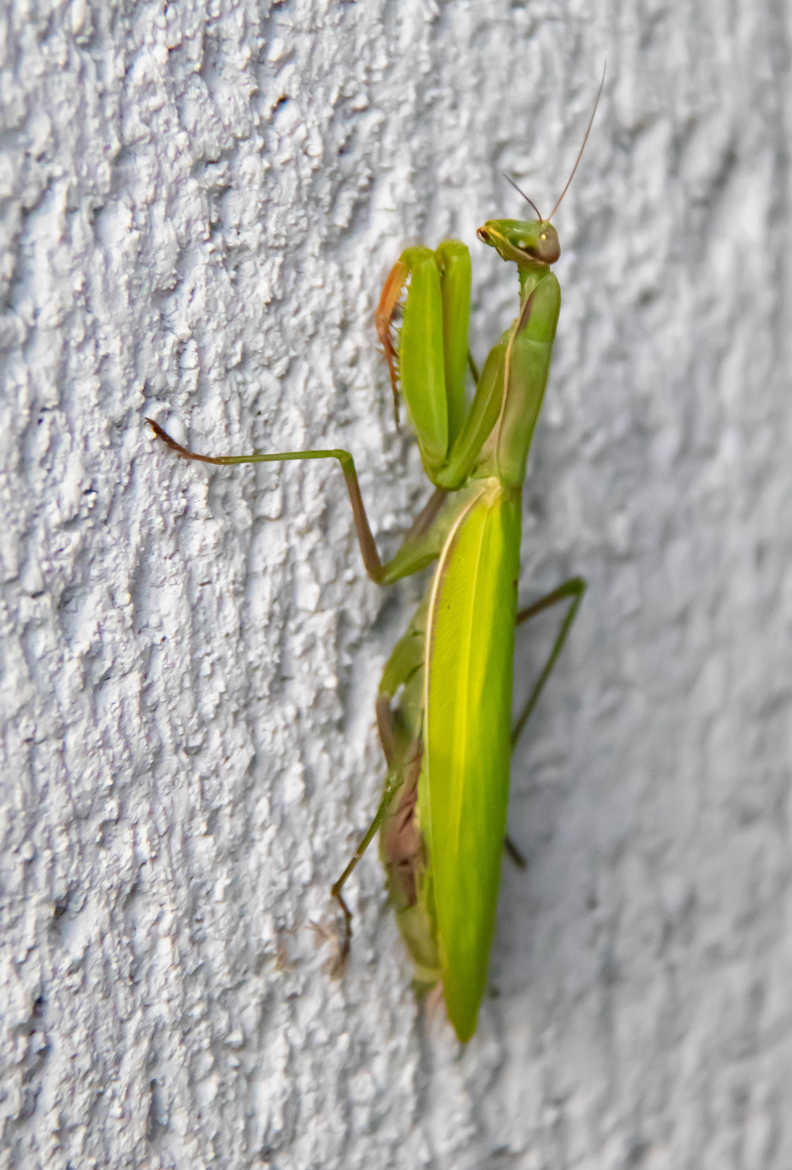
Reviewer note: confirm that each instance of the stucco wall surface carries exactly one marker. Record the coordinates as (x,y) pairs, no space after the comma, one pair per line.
(200,202)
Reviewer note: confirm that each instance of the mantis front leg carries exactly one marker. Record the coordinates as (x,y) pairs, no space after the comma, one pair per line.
(430,370)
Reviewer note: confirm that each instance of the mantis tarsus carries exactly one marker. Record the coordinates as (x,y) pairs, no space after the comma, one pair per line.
(444,705)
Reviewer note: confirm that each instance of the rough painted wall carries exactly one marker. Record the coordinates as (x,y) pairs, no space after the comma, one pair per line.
(199,204)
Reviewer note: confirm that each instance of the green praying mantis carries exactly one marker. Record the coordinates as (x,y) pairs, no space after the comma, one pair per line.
(444,704)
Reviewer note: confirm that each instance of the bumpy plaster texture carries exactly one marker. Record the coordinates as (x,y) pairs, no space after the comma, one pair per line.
(200,202)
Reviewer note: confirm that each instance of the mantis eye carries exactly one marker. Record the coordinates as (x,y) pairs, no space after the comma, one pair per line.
(483,235)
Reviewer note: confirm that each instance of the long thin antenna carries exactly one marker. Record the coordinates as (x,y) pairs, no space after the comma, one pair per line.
(520,191)
(582,145)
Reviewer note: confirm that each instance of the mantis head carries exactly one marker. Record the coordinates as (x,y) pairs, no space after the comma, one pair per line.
(522,240)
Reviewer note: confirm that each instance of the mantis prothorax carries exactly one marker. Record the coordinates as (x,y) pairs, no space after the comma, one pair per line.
(444,705)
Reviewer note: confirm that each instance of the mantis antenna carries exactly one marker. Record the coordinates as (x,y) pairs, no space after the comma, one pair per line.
(582,145)
(527,199)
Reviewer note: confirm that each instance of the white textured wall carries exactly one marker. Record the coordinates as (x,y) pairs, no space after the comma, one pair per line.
(200,202)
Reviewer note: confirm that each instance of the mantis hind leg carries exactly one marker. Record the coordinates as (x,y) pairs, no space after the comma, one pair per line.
(572,591)
(392,782)
(401,745)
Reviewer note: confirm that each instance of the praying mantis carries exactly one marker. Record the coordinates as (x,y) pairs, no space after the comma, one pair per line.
(444,703)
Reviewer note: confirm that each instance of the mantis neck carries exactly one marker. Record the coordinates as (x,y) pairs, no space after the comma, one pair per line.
(526,362)
(530,273)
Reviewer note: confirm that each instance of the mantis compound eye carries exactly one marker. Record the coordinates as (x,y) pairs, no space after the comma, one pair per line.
(547,247)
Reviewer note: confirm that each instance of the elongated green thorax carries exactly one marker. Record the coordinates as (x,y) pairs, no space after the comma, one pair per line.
(526,349)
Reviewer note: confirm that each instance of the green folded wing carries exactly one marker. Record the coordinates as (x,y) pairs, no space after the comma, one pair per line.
(467,738)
